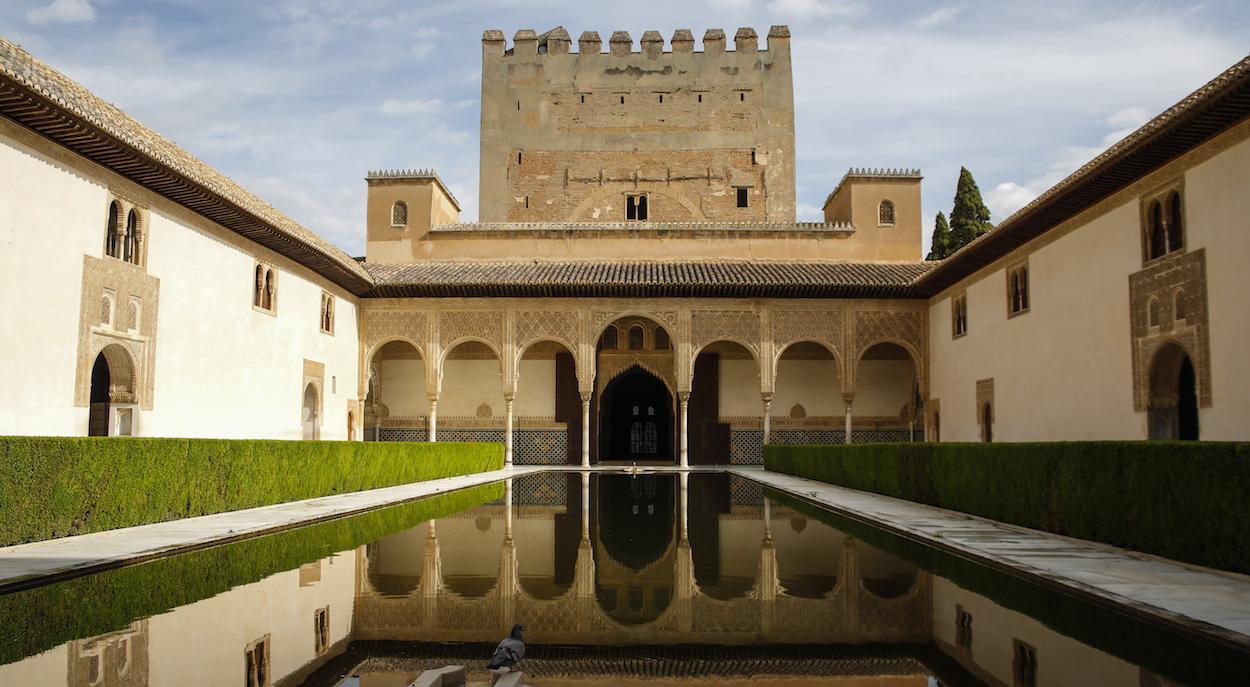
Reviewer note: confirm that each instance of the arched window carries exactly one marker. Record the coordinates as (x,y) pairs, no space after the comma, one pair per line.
(399,214)
(267,297)
(635,338)
(885,212)
(1015,292)
(130,253)
(1158,239)
(1178,305)
(662,342)
(258,288)
(1024,287)
(611,338)
(106,311)
(1155,314)
(1176,223)
(112,242)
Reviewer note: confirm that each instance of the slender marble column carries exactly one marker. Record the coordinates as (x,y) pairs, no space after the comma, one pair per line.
(685,505)
(585,430)
(585,506)
(507,432)
(507,504)
(684,396)
(432,428)
(768,404)
(848,421)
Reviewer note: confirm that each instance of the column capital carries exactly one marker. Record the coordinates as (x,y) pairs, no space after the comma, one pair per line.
(848,397)
(683,396)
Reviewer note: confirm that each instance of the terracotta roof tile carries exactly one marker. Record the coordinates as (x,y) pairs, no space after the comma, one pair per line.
(739,279)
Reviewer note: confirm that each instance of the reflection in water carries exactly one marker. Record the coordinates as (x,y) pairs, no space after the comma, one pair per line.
(657,558)
(587,560)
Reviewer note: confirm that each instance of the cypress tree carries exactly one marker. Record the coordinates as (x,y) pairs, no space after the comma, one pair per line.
(969,218)
(940,247)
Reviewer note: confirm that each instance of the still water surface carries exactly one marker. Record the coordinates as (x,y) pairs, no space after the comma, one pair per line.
(654,579)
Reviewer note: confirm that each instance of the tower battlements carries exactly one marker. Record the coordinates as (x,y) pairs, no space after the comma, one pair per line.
(557,42)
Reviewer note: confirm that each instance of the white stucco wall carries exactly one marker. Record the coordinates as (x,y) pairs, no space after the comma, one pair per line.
(221,368)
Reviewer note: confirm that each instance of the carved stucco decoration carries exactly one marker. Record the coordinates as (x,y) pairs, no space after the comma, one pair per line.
(1161,281)
(819,326)
(537,325)
(739,326)
(902,327)
(614,365)
(482,325)
(127,285)
(382,326)
(671,320)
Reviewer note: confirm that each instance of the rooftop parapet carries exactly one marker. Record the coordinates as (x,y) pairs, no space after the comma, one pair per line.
(527,42)
(872,173)
(375,175)
(841,228)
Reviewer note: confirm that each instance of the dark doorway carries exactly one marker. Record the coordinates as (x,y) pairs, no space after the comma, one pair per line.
(98,419)
(987,423)
(1172,411)
(1187,403)
(636,418)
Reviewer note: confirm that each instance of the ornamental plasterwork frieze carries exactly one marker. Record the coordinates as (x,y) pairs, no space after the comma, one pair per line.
(484,325)
(381,326)
(741,326)
(669,318)
(1160,284)
(537,325)
(118,306)
(819,326)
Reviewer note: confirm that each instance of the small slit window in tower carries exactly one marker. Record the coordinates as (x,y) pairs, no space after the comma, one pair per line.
(583,98)
(622,100)
(518,106)
(742,96)
(527,202)
(636,208)
(700,97)
(742,197)
(661,98)
(518,158)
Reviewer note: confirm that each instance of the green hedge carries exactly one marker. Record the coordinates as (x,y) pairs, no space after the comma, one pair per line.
(61,486)
(1185,501)
(43,617)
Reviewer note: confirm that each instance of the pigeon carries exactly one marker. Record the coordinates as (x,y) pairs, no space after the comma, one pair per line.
(510,651)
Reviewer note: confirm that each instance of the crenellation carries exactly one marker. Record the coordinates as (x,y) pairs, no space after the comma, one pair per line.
(589,43)
(525,43)
(746,40)
(555,42)
(493,43)
(713,41)
(652,44)
(620,44)
(683,41)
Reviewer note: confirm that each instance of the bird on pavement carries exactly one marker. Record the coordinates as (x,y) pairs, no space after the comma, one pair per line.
(510,651)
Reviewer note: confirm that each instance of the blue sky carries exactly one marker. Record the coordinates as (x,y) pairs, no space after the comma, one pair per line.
(298,100)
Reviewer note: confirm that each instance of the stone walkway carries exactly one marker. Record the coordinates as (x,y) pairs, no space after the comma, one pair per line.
(1210,601)
(111,548)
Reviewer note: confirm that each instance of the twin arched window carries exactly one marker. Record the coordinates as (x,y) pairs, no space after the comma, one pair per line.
(959,315)
(119,243)
(1165,225)
(399,214)
(327,313)
(885,212)
(1018,290)
(265,288)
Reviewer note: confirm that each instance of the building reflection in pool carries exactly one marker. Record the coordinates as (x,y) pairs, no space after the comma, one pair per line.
(628,559)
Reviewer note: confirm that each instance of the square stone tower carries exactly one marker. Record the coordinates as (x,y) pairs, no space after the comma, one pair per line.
(678,136)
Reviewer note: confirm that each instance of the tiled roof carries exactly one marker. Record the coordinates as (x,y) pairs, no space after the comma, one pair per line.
(736,279)
(46,101)
(1199,117)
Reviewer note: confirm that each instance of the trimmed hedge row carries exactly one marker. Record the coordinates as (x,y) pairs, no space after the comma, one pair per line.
(1185,501)
(43,617)
(61,486)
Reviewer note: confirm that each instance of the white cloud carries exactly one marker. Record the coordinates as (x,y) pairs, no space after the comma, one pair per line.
(942,14)
(63,12)
(806,9)
(420,106)
(1006,198)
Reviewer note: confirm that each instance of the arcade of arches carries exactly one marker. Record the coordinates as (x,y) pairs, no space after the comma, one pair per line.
(564,383)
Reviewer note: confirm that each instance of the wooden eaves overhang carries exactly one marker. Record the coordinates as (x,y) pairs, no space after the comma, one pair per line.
(1198,118)
(44,101)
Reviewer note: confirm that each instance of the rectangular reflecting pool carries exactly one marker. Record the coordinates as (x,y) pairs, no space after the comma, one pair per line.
(645,578)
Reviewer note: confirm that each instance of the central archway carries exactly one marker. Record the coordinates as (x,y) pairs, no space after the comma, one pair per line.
(636,418)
